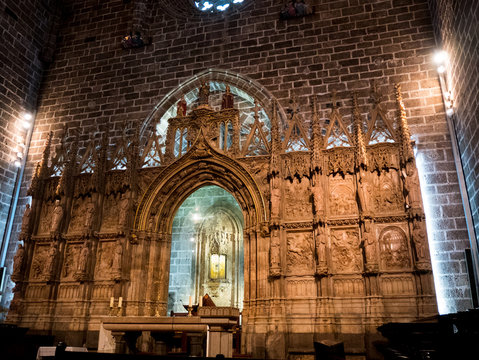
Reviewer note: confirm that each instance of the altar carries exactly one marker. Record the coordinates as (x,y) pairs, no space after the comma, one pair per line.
(209,333)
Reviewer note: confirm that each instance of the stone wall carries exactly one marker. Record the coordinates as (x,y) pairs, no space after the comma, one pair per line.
(344,47)
(24,51)
(455,26)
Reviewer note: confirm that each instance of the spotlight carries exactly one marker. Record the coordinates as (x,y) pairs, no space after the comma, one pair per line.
(440,57)
(26,125)
(27,116)
(17,163)
(450,111)
(441,69)
(192,239)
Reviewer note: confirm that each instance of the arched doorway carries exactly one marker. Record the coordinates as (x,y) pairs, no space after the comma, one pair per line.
(207,250)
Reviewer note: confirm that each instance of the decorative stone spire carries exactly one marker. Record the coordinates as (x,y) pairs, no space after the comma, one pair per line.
(65,184)
(133,159)
(41,169)
(317,138)
(403,129)
(360,153)
(275,141)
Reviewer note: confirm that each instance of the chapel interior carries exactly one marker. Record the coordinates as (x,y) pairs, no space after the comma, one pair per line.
(264,179)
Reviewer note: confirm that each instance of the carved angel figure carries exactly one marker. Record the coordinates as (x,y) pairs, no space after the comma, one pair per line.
(204,93)
(411,183)
(228,99)
(181,107)
(83,259)
(50,260)
(275,249)
(116,263)
(419,239)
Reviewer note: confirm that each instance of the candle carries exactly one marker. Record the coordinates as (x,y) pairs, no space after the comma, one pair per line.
(201,301)
(189,302)
(112,300)
(120,301)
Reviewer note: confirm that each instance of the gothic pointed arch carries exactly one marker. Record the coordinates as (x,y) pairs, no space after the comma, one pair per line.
(246,88)
(202,165)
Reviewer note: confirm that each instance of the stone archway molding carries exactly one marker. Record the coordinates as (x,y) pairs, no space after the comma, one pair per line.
(244,83)
(202,165)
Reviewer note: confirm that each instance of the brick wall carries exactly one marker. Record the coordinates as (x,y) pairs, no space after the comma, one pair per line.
(24,27)
(456,29)
(345,46)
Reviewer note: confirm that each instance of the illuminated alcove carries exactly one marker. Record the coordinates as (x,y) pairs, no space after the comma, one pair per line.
(207,250)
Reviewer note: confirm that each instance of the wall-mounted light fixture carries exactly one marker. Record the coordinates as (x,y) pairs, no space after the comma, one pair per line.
(20,139)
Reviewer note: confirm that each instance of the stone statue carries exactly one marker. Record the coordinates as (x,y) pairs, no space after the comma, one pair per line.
(275,249)
(181,107)
(50,260)
(117,255)
(26,219)
(123,211)
(204,93)
(317,198)
(411,183)
(18,263)
(228,99)
(419,239)
(83,259)
(57,217)
(320,249)
(369,247)
(89,214)
(275,200)
(363,191)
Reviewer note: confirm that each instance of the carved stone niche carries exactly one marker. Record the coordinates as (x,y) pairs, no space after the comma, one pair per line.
(342,199)
(300,253)
(387,192)
(110,213)
(345,250)
(40,254)
(394,248)
(70,264)
(297,199)
(81,215)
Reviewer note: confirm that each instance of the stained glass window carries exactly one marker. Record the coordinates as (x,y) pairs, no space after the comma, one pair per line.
(215,5)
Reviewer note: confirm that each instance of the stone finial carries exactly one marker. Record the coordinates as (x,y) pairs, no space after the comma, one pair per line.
(407,153)
(361,158)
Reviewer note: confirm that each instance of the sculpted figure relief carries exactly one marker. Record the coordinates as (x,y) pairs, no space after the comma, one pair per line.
(51,260)
(83,259)
(89,214)
(123,209)
(57,217)
(411,183)
(320,247)
(420,240)
(26,219)
(300,253)
(275,257)
(275,199)
(117,256)
(18,263)
(369,246)
(204,93)
(181,107)
(364,191)
(394,248)
(228,99)
(345,250)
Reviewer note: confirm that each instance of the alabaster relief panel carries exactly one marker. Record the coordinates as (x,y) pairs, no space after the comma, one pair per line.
(70,264)
(297,203)
(45,221)
(40,262)
(397,285)
(342,199)
(81,215)
(345,250)
(102,291)
(348,287)
(259,170)
(105,260)
(387,192)
(299,258)
(110,213)
(300,288)
(394,248)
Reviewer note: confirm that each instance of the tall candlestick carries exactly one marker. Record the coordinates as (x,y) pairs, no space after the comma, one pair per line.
(201,301)
(120,301)
(190,302)
(112,301)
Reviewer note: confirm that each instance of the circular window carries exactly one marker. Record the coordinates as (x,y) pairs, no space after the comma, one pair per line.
(216,5)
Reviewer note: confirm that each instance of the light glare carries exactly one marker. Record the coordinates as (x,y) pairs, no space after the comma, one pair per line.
(440,57)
